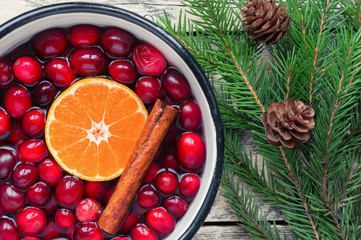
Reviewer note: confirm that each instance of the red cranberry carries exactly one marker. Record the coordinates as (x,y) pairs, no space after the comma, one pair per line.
(175,85)
(51,207)
(17,101)
(120,238)
(44,93)
(170,161)
(149,60)
(50,43)
(16,136)
(160,221)
(117,42)
(148,197)
(24,175)
(65,218)
(176,206)
(148,89)
(5,122)
(31,221)
(152,172)
(7,162)
(51,232)
(30,238)
(88,61)
(130,220)
(108,194)
(189,185)
(38,194)
(142,232)
(84,35)
(94,189)
(191,151)
(6,73)
(8,230)
(50,172)
(166,182)
(87,231)
(33,123)
(28,70)
(123,71)
(59,71)
(32,150)
(69,191)
(190,115)
(11,199)
(88,210)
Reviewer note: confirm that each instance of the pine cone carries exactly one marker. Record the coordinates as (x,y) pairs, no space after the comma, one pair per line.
(267,22)
(288,122)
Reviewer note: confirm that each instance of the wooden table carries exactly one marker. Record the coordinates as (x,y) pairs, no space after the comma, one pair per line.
(221,223)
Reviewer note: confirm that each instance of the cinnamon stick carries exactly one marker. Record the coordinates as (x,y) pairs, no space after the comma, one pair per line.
(153,134)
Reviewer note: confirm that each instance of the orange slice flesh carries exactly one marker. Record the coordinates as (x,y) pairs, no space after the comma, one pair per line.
(93,126)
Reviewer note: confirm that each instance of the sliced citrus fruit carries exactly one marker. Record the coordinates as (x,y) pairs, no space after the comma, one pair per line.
(93,126)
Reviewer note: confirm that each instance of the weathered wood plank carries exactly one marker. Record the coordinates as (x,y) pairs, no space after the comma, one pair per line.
(230,233)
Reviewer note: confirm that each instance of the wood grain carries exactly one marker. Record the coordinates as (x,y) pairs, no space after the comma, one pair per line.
(221,222)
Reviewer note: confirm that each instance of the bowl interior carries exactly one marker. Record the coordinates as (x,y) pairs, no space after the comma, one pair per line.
(23,33)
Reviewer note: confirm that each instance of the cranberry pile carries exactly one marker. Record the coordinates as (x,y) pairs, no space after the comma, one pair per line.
(38,200)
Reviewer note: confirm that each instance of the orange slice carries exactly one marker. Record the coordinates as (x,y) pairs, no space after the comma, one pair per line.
(92,128)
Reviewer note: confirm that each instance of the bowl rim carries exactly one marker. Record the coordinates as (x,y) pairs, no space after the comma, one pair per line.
(190,61)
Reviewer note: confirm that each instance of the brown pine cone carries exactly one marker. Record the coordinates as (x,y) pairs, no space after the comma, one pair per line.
(266,22)
(288,122)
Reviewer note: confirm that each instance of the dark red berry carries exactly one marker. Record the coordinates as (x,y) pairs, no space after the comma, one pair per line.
(88,210)
(108,194)
(59,71)
(32,150)
(190,115)
(87,231)
(51,207)
(8,230)
(176,206)
(148,89)
(170,161)
(120,238)
(191,151)
(30,238)
(24,175)
(38,194)
(33,123)
(149,60)
(17,101)
(123,71)
(88,61)
(189,185)
(117,42)
(5,122)
(7,162)
(160,221)
(130,220)
(31,221)
(51,232)
(175,85)
(28,70)
(50,172)
(50,43)
(6,73)
(148,197)
(69,191)
(142,232)
(84,35)
(44,93)
(11,199)
(16,136)
(152,172)
(94,189)
(166,182)
(65,218)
